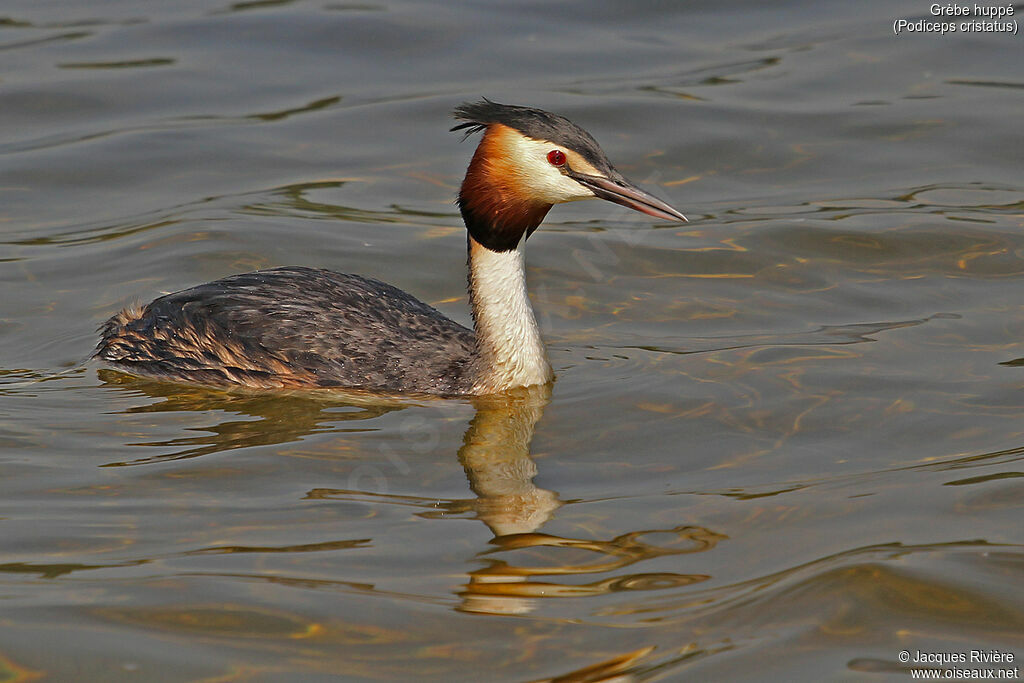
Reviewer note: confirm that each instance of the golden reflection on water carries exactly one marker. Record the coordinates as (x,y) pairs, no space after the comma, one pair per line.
(521,570)
(12,673)
(280,418)
(615,670)
(496,457)
(521,565)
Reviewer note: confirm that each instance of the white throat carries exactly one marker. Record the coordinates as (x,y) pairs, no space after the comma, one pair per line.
(510,352)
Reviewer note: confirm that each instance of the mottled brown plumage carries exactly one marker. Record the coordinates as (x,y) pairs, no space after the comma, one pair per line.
(293,327)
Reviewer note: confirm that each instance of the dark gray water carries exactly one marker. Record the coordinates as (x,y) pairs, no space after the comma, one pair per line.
(785,441)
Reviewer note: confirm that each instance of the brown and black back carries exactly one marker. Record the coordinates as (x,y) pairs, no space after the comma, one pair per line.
(293,327)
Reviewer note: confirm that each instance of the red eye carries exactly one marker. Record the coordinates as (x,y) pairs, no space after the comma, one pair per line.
(556,157)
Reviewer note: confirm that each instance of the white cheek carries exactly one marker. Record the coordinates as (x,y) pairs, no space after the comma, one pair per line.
(554,186)
(544,180)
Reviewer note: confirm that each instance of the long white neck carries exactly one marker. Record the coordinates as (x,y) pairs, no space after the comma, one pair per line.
(510,352)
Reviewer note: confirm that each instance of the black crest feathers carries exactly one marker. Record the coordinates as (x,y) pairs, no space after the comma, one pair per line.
(533,123)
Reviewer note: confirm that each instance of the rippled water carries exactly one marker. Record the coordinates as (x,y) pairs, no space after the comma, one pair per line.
(785,440)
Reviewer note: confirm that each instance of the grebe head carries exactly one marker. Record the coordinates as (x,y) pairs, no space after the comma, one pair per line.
(529,160)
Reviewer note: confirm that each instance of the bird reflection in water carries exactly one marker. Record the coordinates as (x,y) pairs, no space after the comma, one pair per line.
(522,565)
(496,457)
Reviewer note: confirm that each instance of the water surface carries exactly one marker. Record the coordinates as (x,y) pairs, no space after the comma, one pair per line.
(785,440)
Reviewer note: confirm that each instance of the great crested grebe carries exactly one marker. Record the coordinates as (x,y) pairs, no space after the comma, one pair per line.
(296,327)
